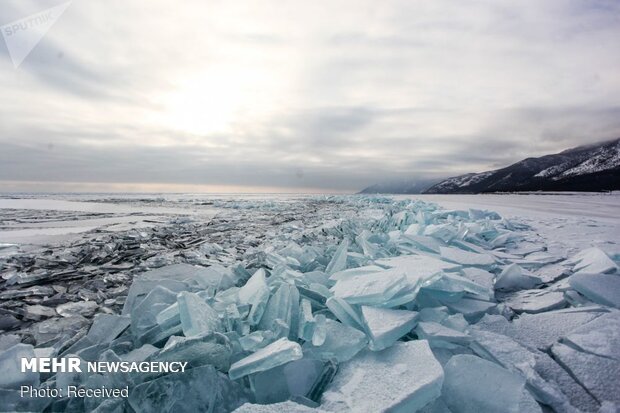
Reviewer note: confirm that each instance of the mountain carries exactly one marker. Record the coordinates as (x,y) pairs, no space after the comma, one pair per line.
(585,168)
(400,187)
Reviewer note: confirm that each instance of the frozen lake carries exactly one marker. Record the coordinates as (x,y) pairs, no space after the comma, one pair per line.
(433,289)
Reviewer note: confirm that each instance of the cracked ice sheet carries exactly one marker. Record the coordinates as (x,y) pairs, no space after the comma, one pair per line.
(541,330)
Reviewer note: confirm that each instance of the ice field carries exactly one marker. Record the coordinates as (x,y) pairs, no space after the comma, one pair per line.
(287,303)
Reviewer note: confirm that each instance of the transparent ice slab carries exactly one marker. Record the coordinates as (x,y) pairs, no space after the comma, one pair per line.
(275,354)
(197,317)
(341,343)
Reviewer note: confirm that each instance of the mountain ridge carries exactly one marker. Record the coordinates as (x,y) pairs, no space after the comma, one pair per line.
(592,167)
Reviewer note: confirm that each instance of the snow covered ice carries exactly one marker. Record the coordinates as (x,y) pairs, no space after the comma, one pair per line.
(327,304)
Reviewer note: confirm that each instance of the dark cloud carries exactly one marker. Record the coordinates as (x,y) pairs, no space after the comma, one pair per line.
(321,96)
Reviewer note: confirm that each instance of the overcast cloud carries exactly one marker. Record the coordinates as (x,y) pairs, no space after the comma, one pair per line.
(301,96)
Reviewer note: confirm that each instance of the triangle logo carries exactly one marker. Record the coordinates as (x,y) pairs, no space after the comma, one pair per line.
(21,36)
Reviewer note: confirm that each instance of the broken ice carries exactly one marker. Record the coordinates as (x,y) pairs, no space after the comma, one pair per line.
(364,304)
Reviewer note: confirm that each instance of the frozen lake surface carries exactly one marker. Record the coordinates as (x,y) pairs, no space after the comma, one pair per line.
(318,303)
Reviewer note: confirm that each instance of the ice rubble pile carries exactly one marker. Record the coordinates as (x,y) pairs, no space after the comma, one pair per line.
(399,307)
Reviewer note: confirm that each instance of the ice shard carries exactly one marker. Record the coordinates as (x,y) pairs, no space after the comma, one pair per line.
(255,292)
(143,315)
(197,317)
(12,376)
(106,327)
(514,278)
(593,261)
(341,343)
(370,289)
(275,354)
(385,326)
(346,313)
(196,390)
(283,310)
(339,259)
(283,382)
(211,349)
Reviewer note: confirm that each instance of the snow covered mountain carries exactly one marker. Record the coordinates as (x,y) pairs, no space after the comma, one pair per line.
(400,187)
(585,168)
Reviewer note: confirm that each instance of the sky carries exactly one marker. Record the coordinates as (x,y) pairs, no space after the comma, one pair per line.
(292,96)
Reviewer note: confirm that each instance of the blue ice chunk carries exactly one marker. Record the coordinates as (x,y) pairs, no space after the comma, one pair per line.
(386,326)
(283,382)
(144,314)
(140,354)
(374,288)
(341,343)
(600,288)
(423,242)
(339,260)
(10,366)
(214,349)
(256,340)
(255,292)
(142,285)
(197,317)
(195,390)
(282,306)
(370,250)
(214,276)
(306,320)
(275,354)
(320,330)
(345,312)
(400,379)
(418,268)
(106,327)
(453,286)
(463,257)
(444,232)
(8,340)
(474,385)
(169,316)
(433,314)
(513,278)
(478,214)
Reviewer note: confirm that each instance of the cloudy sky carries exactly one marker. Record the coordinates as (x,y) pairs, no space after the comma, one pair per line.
(298,96)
